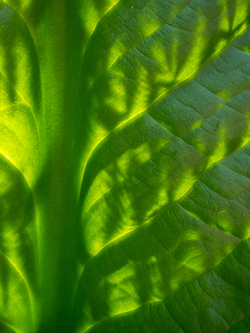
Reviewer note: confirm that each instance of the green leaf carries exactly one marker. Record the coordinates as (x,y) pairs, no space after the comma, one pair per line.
(124,153)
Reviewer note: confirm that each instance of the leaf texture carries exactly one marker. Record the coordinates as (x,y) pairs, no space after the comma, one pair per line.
(124,152)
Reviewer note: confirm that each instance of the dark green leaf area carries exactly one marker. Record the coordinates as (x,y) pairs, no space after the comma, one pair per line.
(149,264)
(210,303)
(221,197)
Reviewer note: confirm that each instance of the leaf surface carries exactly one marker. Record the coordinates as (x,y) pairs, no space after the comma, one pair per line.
(125,151)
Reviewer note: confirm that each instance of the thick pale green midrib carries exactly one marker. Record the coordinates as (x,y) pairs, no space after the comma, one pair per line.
(56,189)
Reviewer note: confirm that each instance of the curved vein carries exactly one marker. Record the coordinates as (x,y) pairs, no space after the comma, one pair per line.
(165,93)
(163,301)
(161,210)
(150,34)
(24,280)
(25,22)
(94,31)
(28,106)
(210,226)
(204,119)
(19,141)
(135,44)
(27,183)
(8,325)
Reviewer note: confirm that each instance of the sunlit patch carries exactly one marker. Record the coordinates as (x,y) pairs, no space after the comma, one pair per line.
(220,150)
(192,255)
(22,49)
(160,56)
(118,48)
(91,19)
(162,201)
(118,89)
(92,13)
(194,58)
(246,233)
(189,178)
(148,22)
(240,11)
(20,140)
(101,185)
(224,94)
(245,140)
(246,49)
(123,296)
(126,294)
(99,135)
(4,155)
(128,98)
(224,223)
(196,124)
(103,231)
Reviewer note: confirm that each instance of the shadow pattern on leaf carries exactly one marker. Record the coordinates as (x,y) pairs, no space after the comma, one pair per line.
(137,170)
(195,129)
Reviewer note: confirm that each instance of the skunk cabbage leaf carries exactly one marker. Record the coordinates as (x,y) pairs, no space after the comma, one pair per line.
(124,158)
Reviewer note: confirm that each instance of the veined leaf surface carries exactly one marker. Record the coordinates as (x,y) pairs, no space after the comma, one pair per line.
(125,151)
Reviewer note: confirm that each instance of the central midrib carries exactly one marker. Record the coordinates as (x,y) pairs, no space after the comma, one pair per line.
(57,188)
